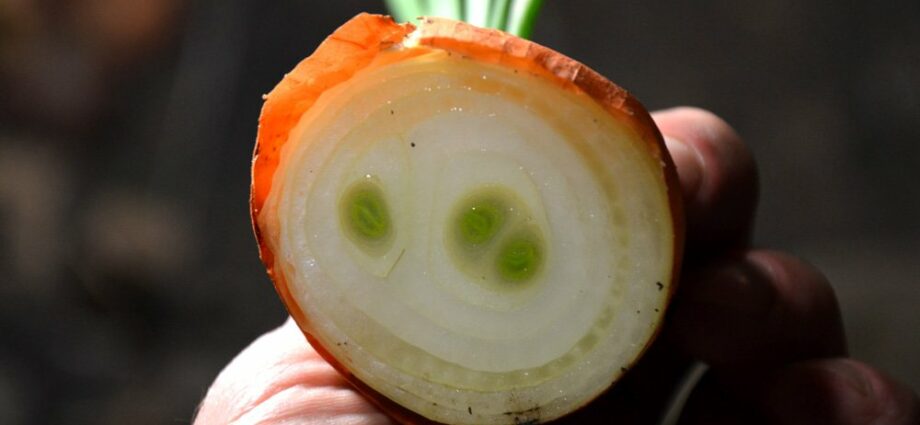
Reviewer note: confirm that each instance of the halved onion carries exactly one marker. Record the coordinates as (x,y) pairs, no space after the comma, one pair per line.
(471,227)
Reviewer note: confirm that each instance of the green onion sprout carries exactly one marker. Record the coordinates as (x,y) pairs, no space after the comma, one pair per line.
(481,221)
(513,16)
(519,258)
(364,214)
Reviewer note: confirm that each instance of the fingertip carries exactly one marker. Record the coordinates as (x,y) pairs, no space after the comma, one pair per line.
(841,392)
(804,292)
(800,283)
(722,311)
(696,125)
(717,172)
(705,132)
(689,167)
(757,308)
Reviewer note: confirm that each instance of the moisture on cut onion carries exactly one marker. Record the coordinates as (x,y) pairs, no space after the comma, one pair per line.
(472,228)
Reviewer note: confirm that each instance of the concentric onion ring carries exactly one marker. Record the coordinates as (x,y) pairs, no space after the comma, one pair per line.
(471,227)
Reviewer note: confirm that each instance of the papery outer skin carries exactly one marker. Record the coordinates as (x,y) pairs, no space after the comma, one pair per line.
(353,47)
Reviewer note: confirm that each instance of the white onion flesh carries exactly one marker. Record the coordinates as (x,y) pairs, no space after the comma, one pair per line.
(410,322)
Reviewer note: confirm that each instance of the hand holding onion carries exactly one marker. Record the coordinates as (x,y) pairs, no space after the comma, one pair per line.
(797,377)
(439,257)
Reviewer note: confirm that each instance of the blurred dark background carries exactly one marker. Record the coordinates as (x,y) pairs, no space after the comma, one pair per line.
(128,273)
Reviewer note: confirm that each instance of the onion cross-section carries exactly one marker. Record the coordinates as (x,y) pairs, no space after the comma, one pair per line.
(471,227)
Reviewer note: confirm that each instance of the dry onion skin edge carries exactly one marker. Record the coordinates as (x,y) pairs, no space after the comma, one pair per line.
(370,43)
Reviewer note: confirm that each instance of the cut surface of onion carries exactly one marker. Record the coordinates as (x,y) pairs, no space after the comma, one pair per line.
(472,241)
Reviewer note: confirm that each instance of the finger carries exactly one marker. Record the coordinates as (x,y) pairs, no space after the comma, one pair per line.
(279,378)
(839,392)
(761,308)
(309,404)
(718,177)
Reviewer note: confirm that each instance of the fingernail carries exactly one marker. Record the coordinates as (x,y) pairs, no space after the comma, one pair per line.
(853,376)
(689,166)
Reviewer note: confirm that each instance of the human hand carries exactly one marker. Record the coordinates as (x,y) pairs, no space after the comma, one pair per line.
(280,379)
(767,324)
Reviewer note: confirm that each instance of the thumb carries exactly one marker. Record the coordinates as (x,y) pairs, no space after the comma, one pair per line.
(279,378)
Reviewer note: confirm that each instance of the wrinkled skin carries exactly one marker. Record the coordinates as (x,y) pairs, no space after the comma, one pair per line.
(768,325)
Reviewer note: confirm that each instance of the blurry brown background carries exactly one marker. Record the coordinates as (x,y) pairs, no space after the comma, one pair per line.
(128,273)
